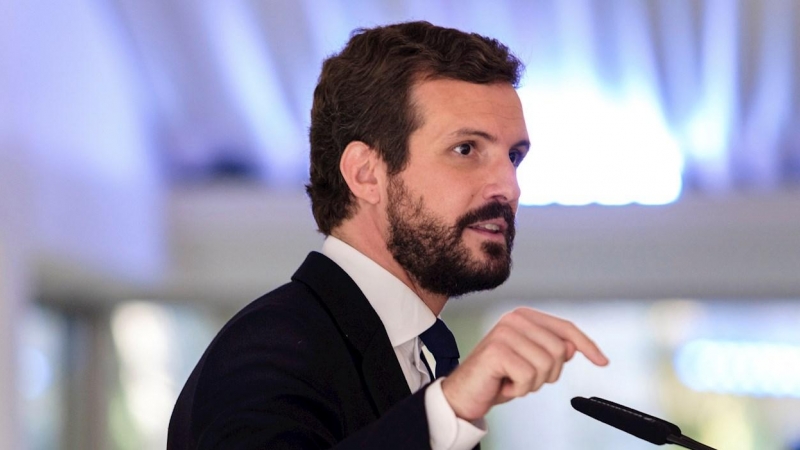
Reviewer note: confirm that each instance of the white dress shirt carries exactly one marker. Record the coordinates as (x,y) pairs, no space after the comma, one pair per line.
(405,317)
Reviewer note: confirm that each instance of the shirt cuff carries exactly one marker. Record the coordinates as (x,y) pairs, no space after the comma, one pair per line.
(448,432)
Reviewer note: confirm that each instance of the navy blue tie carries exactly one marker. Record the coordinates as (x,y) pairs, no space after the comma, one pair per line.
(442,345)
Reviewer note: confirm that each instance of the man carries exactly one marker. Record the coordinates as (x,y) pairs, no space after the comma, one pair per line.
(416,135)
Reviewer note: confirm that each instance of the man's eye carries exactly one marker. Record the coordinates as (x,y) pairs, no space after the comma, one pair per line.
(463,149)
(515,156)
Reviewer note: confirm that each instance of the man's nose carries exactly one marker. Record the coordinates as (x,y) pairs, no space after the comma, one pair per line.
(501,183)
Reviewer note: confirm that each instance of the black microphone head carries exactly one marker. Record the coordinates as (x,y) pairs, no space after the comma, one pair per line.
(641,425)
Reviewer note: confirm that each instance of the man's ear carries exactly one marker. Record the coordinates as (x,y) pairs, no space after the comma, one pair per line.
(363,171)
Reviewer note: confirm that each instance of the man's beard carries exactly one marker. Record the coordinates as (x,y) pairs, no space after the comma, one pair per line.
(434,253)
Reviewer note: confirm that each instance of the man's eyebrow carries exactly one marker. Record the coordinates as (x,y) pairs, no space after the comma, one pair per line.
(467,132)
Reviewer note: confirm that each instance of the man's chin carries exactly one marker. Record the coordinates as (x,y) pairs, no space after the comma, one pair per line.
(492,258)
(483,269)
(485,280)
(493,253)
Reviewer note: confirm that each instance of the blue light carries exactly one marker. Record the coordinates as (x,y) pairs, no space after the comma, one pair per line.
(706,133)
(254,84)
(36,374)
(759,369)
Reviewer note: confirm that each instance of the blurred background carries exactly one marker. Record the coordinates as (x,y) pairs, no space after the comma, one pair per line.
(153,152)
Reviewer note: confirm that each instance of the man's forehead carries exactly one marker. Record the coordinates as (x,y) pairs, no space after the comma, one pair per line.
(446,83)
(467,104)
(447,92)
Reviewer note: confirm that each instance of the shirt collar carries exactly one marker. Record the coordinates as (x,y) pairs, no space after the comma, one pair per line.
(404,315)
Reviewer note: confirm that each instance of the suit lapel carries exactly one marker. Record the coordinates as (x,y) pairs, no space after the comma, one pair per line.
(360,325)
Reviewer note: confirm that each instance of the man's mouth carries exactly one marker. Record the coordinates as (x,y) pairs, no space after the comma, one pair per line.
(488,227)
(492,221)
(495,226)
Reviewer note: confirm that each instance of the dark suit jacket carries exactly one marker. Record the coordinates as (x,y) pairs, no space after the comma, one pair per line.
(306,366)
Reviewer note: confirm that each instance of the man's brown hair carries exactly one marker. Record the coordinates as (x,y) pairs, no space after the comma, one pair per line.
(363,94)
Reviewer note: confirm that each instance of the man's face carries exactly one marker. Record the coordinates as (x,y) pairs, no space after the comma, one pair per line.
(451,210)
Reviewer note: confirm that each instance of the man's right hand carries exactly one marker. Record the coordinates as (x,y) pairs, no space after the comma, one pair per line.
(525,349)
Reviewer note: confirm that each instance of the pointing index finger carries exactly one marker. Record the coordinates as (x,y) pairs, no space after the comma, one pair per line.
(571,333)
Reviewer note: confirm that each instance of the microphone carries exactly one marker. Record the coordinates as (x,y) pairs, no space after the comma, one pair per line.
(651,429)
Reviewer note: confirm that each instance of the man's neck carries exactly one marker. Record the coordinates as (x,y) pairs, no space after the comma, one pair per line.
(376,250)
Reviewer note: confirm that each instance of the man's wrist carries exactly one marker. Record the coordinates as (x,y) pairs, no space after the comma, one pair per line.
(447,430)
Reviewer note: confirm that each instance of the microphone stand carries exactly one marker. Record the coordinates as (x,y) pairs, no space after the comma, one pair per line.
(687,442)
